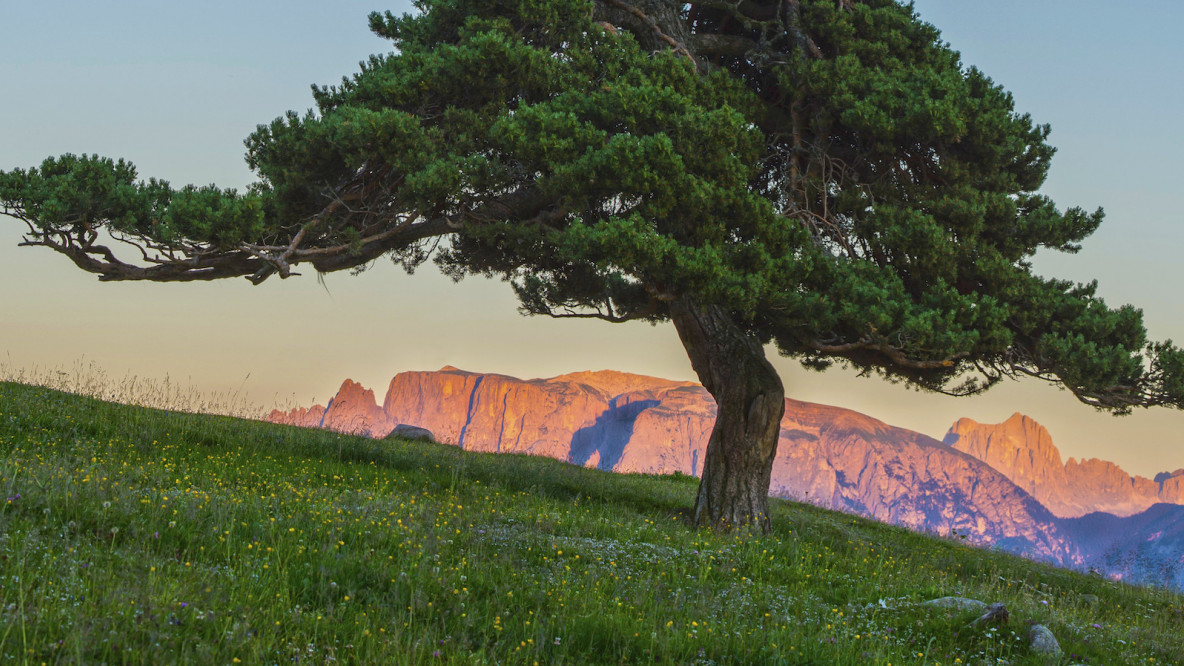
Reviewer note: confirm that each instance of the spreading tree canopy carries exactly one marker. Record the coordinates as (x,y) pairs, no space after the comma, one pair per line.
(823,175)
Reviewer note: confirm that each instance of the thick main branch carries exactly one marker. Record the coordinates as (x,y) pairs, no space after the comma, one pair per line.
(194,261)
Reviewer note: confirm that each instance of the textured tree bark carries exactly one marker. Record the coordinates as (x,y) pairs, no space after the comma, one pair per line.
(734,489)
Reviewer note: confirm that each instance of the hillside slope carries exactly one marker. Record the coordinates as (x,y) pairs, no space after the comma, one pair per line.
(986,483)
(829,456)
(136,536)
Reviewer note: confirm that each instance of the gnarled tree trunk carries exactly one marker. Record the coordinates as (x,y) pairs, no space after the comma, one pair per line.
(750,398)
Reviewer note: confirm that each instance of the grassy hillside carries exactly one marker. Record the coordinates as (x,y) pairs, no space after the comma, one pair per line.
(130,535)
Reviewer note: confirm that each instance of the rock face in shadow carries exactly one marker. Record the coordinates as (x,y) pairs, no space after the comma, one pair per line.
(305,417)
(629,423)
(1146,548)
(603,443)
(1022,450)
(846,460)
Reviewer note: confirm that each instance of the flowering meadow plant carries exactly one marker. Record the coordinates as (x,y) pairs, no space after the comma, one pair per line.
(132,535)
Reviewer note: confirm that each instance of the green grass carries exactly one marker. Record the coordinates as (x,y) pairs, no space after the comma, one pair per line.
(131,535)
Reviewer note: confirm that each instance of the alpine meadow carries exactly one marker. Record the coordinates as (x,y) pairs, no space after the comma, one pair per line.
(145,536)
(826,178)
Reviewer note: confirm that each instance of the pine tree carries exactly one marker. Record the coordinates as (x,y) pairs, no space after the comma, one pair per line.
(823,175)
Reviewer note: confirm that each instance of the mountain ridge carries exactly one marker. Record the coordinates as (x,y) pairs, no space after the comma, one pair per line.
(827,455)
(1023,450)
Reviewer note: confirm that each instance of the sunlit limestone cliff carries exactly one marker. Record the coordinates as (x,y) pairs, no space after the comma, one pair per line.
(1022,450)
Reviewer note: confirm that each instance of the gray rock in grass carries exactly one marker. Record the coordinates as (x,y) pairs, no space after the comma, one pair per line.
(957,603)
(1042,641)
(410,432)
(996,614)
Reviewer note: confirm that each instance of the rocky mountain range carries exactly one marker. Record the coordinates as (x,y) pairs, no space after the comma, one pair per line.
(1023,450)
(1000,485)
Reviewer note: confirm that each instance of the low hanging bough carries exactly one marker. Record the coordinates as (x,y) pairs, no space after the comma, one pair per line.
(824,176)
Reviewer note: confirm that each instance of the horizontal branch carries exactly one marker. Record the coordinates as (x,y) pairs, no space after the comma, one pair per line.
(643,26)
(189,262)
(893,354)
(570,313)
(1121,397)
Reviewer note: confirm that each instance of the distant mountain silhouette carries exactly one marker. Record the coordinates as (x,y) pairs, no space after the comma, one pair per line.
(1146,548)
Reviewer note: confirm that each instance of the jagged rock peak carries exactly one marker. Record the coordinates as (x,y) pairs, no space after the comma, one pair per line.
(355,410)
(1016,425)
(1164,476)
(1019,442)
(350,387)
(614,383)
(354,394)
(1022,449)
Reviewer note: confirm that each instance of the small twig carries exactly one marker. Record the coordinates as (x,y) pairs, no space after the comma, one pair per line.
(653,25)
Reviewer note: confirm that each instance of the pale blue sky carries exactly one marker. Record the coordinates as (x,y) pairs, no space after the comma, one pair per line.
(176,87)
